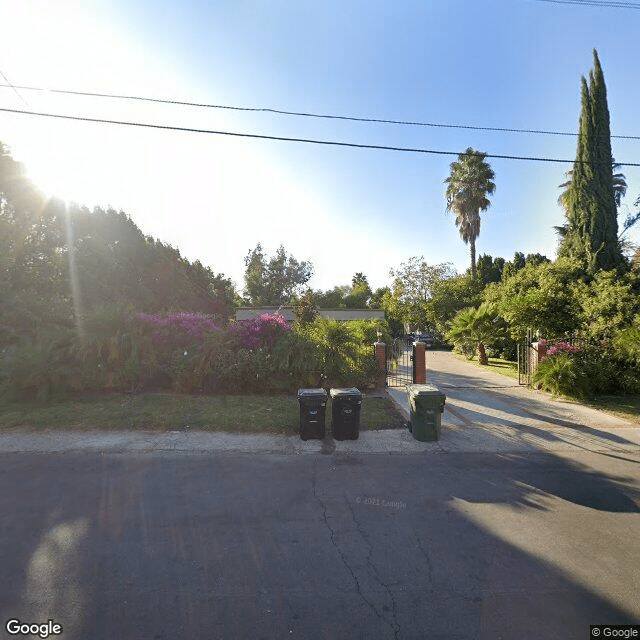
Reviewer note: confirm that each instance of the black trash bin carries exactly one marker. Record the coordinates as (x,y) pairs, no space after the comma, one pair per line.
(345,413)
(313,403)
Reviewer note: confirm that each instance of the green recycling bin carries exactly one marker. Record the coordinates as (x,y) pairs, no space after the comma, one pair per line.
(426,403)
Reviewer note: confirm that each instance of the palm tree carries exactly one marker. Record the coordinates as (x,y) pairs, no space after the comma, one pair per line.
(473,329)
(470,182)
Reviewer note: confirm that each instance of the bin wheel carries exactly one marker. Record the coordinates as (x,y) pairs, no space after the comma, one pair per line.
(304,437)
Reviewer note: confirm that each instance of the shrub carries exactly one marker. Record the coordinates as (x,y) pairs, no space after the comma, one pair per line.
(261,331)
(561,347)
(344,350)
(561,374)
(609,368)
(41,369)
(596,368)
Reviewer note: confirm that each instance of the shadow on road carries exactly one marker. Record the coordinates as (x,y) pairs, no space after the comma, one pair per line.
(317,546)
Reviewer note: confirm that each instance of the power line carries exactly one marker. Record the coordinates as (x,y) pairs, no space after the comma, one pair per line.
(14,89)
(287,139)
(303,113)
(594,3)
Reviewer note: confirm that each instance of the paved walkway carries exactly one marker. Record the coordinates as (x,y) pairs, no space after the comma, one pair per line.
(485,411)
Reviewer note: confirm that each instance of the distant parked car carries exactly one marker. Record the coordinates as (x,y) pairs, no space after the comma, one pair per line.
(427,338)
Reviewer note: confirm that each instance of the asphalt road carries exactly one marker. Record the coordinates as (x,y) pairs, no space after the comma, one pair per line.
(164,545)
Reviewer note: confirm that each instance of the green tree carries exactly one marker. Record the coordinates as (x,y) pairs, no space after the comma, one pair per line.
(451,295)
(375,302)
(360,293)
(543,297)
(489,269)
(591,232)
(468,186)
(306,311)
(275,281)
(413,286)
(331,298)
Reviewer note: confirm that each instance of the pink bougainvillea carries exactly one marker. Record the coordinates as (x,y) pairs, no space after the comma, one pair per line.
(563,347)
(178,325)
(263,330)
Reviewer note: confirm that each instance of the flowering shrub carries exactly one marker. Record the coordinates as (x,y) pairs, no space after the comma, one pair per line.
(261,331)
(178,325)
(562,347)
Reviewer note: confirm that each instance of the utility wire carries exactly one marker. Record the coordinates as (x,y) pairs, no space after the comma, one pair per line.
(287,139)
(302,113)
(593,3)
(14,89)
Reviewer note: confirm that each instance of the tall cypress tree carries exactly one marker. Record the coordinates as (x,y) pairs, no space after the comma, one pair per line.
(592,230)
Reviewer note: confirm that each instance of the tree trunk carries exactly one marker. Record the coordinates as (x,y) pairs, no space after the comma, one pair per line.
(482,354)
(472,249)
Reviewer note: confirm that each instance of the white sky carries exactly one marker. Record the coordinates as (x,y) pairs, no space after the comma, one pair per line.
(500,63)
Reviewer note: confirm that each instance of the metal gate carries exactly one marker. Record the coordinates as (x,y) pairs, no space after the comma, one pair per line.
(525,368)
(399,363)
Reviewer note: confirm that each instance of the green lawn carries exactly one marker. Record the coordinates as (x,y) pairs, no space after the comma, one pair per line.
(497,365)
(169,411)
(625,407)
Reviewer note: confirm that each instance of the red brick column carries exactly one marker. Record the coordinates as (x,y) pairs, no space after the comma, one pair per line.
(380,349)
(537,352)
(420,363)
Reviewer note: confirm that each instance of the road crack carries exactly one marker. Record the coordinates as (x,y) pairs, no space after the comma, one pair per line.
(395,627)
(340,552)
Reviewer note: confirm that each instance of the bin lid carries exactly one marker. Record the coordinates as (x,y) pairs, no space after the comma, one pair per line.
(350,392)
(423,390)
(312,393)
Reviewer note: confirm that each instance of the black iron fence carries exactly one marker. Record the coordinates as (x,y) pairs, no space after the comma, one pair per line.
(399,363)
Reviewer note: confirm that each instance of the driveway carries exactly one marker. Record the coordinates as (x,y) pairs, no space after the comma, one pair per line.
(485,411)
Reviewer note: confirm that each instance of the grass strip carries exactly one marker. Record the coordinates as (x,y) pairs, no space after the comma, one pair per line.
(170,411)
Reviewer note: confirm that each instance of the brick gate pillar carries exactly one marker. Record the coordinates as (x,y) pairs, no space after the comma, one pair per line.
(537,351)
(380,350)
(419,363)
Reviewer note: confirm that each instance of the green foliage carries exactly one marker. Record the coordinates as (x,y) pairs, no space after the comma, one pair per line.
(449,296)
(479,328)
(562,374)
(275,281)
(591,232)
(544,297)
(345,350)
(468,186)
(609,304)
(358,297)
(306,310)
(41,369)
(598,368)
(489,269)
(413,287)
(627,342)
(332,298)
(128,352)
